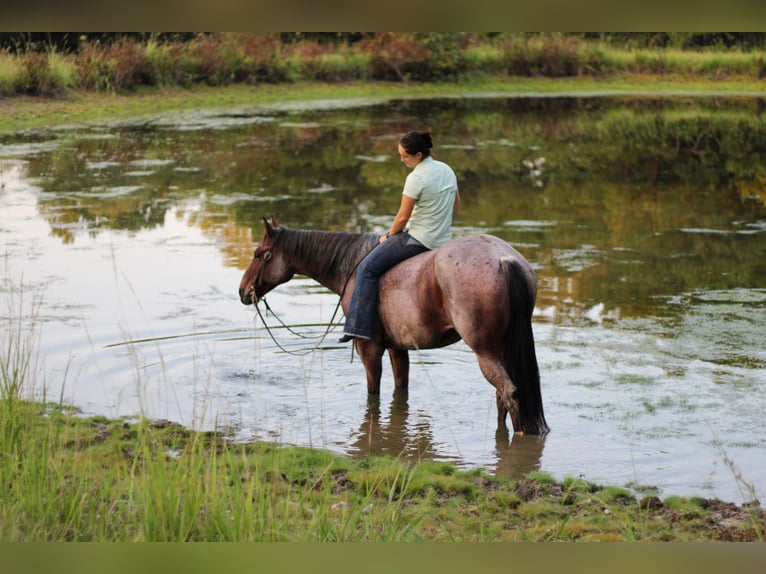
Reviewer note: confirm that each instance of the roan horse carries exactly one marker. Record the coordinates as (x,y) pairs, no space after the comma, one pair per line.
(476,287)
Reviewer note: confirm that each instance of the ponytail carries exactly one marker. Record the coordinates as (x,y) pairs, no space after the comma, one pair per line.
(415,142)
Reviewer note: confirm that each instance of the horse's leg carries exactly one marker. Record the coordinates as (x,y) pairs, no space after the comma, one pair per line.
(371,354)
(505,391)
(400,364)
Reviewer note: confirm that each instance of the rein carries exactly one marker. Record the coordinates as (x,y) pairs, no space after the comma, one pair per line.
(266,258)
(278,344)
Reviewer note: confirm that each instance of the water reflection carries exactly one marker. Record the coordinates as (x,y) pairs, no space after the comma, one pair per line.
(616,201)
(634,213)
(395,435)
(519,455)
(398,434)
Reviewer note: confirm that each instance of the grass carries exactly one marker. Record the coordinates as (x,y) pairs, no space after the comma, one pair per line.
(69,478)
(128,78)
(35,113)
(65,477)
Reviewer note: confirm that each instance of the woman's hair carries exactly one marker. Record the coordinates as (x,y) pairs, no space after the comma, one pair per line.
(414,142)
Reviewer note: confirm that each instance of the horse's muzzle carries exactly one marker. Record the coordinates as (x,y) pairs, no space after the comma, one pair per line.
(247,296)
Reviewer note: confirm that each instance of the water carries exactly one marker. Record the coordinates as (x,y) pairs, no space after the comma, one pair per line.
(644,220)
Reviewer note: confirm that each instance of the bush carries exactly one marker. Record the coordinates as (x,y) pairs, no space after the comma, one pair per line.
(555,56)
(94,70)
(169,63)
(12,75)
(263,54)
(421,56)
(131,66)
(40,78)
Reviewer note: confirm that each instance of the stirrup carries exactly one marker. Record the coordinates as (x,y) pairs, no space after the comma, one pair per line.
(345,338)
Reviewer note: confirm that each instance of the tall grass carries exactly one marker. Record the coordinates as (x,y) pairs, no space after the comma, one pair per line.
(127,64)
(64,477)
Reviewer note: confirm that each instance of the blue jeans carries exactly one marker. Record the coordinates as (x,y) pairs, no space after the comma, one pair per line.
(363,310)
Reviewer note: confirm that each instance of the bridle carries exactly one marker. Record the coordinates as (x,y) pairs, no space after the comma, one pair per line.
(265,257)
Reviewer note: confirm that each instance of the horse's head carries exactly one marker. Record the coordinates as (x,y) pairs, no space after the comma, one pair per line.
(268,267)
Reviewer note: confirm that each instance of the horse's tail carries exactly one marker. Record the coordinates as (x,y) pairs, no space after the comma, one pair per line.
(521,359)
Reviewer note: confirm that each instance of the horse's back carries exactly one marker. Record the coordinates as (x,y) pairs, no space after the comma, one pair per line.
(477,266)
(439,296)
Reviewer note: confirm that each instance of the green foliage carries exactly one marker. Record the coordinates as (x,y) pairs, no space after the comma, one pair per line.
(64,477)
(126,62)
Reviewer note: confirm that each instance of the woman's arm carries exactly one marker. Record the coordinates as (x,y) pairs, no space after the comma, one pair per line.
(457,203)
(402,217)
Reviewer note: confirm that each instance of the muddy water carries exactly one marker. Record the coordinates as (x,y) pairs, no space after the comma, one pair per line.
(644,219)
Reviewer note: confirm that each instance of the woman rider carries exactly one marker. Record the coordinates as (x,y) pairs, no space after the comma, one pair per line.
(429,200)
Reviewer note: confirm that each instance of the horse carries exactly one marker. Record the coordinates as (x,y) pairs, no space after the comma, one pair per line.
(477,288)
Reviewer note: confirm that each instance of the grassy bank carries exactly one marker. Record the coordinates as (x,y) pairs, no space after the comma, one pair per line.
(68,478)
(34,113)
(124,64)
(65,477)
(45,86)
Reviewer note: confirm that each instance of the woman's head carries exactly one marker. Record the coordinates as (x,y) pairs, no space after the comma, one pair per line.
(414,147)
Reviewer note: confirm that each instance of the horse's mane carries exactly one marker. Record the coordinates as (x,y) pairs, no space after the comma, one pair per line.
(337,252)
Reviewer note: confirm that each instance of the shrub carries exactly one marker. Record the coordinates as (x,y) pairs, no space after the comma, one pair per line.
(393,56)
(553,56)
(130,66)
(262,52)
(12,74)
(94,70)
(40,78)
(63,70)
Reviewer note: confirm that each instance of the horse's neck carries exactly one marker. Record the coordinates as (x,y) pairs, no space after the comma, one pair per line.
(328,257)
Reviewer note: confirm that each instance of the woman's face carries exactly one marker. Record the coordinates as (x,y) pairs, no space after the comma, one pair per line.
(409,160)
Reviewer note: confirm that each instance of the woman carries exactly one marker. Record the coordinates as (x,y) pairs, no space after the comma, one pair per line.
(429,200)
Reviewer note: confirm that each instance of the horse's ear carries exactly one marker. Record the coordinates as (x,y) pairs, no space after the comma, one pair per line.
(270,227)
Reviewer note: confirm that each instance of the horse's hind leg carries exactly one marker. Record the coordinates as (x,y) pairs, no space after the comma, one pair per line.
(505,391)
(400,365)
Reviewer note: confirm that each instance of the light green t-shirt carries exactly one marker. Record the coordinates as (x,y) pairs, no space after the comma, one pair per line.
(433,185)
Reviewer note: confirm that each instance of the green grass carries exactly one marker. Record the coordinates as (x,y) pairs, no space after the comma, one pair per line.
(34,113)
(129,78)
(64,477)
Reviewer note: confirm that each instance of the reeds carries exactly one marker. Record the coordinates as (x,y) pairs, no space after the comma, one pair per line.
(128,64)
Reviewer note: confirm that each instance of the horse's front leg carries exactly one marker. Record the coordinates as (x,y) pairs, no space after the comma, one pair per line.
(400,365)
(371,354)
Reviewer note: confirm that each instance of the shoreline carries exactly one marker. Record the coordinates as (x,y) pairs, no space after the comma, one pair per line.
(32,113)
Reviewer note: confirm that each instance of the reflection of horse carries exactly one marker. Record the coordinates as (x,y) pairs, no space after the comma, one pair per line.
(519,456)
(397,436)
(477,288)
(412,441)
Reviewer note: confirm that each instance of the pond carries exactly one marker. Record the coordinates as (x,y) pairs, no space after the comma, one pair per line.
(644,219)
